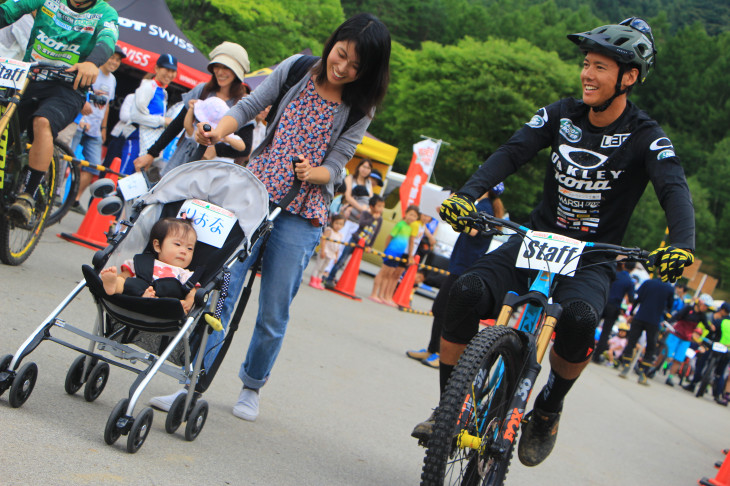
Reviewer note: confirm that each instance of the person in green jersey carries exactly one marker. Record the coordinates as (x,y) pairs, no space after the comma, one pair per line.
(78,34)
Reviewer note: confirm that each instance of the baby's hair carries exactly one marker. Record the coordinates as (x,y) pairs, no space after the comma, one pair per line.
(337,217)
(415,208)
(375,199)
(171,226)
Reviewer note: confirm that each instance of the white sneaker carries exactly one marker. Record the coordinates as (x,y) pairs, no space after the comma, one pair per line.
(164,403)
(247,406)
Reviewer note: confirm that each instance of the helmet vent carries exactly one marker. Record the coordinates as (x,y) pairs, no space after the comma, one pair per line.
(620,41)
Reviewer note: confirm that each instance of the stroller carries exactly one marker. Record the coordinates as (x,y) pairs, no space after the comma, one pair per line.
(157,333)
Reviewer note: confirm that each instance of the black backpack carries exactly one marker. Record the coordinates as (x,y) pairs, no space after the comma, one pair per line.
(296,72)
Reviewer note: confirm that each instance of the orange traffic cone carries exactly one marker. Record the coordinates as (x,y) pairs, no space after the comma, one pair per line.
(723,475)
(346,285)
(92,232)
(402,295)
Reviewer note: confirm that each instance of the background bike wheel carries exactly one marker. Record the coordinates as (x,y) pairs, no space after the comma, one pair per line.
(476,400)
(18,242)
(68,179)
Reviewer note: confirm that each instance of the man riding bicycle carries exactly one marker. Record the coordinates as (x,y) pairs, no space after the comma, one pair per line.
(80,34)
(604,152)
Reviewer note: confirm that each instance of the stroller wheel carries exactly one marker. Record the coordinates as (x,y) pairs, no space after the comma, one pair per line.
(175,414)
(4,364)
(74,380)
(23,384)
(196,420)
(110,205)
(140,429)
(96,382)
(112,431)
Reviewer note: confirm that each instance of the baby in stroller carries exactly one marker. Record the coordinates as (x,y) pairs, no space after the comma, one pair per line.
(164,273)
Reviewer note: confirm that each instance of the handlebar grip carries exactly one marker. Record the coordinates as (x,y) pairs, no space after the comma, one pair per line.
(296,185)
(200,150)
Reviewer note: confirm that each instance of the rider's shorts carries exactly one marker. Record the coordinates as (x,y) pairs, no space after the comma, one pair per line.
(498,272)
(56,102)
(676,347)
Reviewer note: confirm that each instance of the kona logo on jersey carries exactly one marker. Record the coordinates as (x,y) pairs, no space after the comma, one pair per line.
(538,120)
(513,424)
(613,141)
(570,131)
(57,45)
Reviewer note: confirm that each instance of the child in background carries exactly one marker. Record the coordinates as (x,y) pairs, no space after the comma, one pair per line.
(617,344)
(210,111)
(173,241)
(368,228)
(328,248)
(399,245)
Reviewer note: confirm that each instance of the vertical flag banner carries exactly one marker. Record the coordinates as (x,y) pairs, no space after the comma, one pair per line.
(424,158)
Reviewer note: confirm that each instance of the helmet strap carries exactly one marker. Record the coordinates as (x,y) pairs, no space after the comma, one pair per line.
(617,92)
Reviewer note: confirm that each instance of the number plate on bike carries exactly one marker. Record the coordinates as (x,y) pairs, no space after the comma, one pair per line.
(13,72)
(719,348)
(550,252)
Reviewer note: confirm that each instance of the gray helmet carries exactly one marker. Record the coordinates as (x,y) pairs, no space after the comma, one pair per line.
(629,42)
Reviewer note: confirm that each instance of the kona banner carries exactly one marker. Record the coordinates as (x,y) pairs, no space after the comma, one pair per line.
(424,158)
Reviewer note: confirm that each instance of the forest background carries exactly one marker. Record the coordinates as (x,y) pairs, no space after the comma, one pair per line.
(471,72)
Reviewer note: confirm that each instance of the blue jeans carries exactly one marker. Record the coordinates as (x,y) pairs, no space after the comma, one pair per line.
(286,255)
(91,149)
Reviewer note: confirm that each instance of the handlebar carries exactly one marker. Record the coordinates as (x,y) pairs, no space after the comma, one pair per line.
(488,225)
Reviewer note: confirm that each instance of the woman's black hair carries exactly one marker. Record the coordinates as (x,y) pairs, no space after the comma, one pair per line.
(372,44)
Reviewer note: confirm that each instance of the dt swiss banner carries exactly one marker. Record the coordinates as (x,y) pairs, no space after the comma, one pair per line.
(424,158)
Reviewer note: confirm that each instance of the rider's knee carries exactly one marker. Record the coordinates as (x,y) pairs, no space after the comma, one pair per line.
(575,337)
(468,300)
(41,123)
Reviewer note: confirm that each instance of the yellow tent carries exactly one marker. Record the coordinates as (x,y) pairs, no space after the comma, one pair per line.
(382,155)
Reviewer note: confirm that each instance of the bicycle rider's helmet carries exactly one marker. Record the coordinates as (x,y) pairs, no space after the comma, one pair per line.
(629,43)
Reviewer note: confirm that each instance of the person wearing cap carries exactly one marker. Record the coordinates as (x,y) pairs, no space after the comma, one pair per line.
(148,111)
(228,67)
(713,335)
(604,151)
(685,323)
(654,300)
(92,128)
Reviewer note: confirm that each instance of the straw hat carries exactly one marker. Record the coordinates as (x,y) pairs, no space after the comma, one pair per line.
(232,56)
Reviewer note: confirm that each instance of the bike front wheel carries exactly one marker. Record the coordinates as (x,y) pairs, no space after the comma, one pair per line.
(465,447)
(18,242)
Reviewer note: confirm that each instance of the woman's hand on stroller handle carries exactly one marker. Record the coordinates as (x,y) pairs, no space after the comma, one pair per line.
(302,167)
(206,136)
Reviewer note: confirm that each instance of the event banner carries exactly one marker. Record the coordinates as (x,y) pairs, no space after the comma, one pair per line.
(424,158)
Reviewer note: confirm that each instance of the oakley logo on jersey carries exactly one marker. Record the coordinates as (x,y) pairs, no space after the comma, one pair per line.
(570,131)
(538,120)
(664,146)
(613,141)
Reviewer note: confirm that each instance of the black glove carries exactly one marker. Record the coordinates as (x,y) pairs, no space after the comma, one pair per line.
(457,206)
(669,262)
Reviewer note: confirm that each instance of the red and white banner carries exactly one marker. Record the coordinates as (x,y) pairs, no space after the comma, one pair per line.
(424,158)
(146,61)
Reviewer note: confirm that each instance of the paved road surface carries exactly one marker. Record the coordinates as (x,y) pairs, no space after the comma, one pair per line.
(338,409)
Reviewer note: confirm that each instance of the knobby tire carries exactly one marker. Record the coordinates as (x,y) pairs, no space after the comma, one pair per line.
(445,463)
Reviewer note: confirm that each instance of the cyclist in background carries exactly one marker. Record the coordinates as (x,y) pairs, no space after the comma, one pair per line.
(604,152)
(80,34)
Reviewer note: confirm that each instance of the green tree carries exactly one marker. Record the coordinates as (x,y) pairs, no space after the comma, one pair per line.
(473,95)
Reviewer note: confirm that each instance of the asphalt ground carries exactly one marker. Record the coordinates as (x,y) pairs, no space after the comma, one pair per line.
(338,409)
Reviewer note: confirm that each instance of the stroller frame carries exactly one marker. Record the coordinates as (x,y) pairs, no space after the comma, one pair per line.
(92,368)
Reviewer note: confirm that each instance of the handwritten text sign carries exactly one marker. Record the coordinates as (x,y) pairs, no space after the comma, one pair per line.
(212,223)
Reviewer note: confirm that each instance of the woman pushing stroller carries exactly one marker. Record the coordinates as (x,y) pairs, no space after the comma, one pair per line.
(318,120)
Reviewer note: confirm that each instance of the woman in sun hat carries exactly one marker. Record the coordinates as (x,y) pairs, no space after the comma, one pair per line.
(228,66)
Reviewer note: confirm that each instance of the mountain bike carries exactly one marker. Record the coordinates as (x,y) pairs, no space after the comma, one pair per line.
(481,410)
(18,241)
(718,351)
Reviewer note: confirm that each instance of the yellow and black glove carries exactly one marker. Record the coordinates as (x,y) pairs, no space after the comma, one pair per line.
(670,262)
(457,206)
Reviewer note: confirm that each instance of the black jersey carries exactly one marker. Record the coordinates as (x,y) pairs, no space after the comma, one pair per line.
(596,175)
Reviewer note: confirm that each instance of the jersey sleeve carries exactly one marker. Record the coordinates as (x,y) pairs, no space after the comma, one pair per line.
(670,185)
(12,11)
(524,144)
